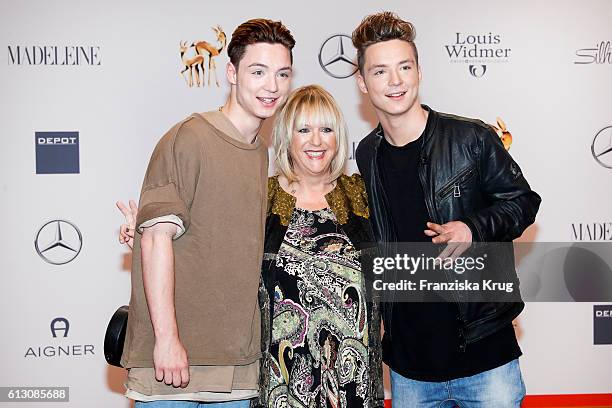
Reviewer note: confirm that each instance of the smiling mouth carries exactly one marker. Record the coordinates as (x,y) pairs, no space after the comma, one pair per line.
(315,154)
(268,101)
(396,94)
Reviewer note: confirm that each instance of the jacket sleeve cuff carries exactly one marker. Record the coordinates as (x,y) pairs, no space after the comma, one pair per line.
(476,237)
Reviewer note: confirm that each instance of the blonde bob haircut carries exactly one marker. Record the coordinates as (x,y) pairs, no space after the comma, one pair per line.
(314,106)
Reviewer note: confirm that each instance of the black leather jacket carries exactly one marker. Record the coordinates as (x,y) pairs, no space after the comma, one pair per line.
(467,175)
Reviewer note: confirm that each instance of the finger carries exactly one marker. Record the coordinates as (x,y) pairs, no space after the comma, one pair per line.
(448,250)
(176,379)
(167,377)
(184,377)
(123,208)
(126,231)
(456,251)
(123,234)
(436,227)
(159,374)
(461,248)
(441,239)
(133,206)
(430,233)
(134,212)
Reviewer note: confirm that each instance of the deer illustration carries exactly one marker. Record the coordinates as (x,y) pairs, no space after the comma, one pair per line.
(503,133)
(193,64)
(204,48)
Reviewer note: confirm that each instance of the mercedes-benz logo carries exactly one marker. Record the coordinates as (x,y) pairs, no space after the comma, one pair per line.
(335,60)
(58,242)
(601,148)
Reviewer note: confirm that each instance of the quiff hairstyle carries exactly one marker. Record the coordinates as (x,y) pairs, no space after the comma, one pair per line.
(314,106)
(383,26)
(258,30)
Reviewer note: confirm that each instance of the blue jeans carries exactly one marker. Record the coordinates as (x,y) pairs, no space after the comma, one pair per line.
(193,404)
(501,387)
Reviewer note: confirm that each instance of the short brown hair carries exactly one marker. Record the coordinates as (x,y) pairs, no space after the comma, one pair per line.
(258,30)
(383,26)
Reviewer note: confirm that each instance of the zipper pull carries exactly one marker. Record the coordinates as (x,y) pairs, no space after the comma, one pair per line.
(456,191)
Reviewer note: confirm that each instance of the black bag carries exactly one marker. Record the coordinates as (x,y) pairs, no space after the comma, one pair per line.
(115,336)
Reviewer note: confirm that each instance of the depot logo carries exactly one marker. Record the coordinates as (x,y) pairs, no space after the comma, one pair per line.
(602,324)
(603,313)
(57,152)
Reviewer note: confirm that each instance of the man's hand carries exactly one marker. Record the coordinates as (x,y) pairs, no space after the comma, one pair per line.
(126,231)
(456,233)
(170,362)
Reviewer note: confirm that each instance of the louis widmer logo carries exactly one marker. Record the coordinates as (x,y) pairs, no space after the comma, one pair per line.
(477,51)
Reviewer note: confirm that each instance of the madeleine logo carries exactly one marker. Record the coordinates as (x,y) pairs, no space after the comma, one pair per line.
(199,56)
(48,55)
(477,51)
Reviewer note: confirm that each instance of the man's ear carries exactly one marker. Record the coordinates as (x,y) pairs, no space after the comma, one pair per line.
(231,72)
(361,83)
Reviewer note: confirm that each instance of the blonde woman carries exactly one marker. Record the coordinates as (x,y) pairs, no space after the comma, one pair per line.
(323,348)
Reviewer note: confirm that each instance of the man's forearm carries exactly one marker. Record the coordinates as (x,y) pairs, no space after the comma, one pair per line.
(158,280)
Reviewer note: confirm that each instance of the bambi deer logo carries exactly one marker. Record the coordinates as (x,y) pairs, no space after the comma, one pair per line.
(503,133)
(201,55)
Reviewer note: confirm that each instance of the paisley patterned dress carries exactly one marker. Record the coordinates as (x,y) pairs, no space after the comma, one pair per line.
(318,354)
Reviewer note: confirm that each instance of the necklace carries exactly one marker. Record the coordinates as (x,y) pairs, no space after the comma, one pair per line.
(294,184)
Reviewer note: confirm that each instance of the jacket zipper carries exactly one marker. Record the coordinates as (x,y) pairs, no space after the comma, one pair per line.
(434,216)
(454,186)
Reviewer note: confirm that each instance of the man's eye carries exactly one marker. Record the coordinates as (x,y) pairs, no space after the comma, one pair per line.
(379,72)
(258,72)
(284,75)
(406,67)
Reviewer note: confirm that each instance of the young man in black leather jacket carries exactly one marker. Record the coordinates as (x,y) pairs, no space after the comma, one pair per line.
(434,177)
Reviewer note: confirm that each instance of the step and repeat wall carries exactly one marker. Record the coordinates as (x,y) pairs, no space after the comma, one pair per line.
(87,89)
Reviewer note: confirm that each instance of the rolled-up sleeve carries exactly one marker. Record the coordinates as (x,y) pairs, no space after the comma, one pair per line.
(171,180)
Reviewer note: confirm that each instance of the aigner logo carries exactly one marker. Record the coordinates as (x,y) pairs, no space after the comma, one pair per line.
(477,51)
(58,242)
(57,152)
(601,148)
(59,329)
(198,56)
(337,56)
(54,55)
(601,54)
(60,324)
